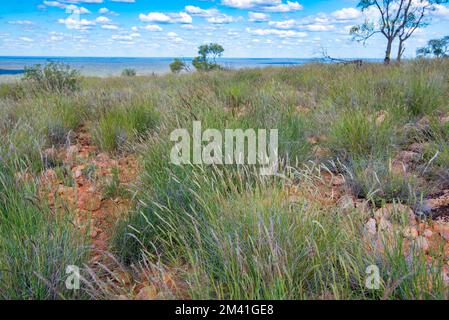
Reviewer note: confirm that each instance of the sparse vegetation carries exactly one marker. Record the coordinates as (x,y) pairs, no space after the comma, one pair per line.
(53,77)
(371,136)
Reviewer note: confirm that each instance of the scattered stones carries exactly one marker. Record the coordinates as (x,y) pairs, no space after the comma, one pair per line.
(390,209)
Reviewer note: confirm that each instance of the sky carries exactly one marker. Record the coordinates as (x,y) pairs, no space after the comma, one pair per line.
(175,28)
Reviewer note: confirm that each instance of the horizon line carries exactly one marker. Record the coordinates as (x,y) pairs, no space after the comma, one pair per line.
(173,57)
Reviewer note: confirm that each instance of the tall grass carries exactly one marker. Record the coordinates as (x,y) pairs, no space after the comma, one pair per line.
(228,232)
(36,244)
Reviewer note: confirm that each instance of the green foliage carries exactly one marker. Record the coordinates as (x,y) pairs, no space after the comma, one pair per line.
(207,59)
(53,77)
(121,124)
(113,188)
(36,246)
(355,135)
(436,47)
(129,72)
(177,66)
(423,95)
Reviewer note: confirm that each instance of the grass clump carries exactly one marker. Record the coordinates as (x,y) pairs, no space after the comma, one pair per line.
(121,124)
(35,246)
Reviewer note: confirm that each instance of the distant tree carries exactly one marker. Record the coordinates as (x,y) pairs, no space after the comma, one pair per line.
(399,19)
(207,59)
(128,72)
(177,66)
(436,47)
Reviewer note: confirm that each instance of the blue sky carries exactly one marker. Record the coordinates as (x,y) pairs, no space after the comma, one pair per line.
(175,28)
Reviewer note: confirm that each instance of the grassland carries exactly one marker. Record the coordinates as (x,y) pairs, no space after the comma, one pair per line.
(352,141)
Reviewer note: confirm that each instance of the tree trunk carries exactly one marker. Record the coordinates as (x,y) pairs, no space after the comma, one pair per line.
(387,59)
(400,50)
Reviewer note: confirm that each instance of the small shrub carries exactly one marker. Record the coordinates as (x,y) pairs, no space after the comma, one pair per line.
(129,72)
(53,77)
(177,66)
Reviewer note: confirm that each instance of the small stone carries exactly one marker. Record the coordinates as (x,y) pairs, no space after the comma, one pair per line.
(78,173)
(370,227)
(89,201)
(312,140)
(445,120)
(422,243)
(385,225)
(410,232)
(147,293)
(442,229)
(380,117)
(390,209)
(346,202)
(338,180)
(93,232)
(427,233)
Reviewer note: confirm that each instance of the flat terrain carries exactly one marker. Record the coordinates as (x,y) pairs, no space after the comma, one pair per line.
(86,180)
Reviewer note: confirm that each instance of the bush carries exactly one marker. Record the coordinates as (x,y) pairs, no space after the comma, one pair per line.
(53,77)
(129,72)
(177,66)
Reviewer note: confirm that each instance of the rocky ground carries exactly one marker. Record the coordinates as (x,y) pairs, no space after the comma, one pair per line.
(96,187)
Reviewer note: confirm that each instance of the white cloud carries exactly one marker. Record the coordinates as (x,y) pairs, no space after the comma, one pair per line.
(70,7)
(102,19)
(264,5)
(221,19)
(78,24)
(258,17)
(152,27)
(441,11)
(109,27)
(287,24)
(197,11)
(276,32)
(21,22)
(159,17)
(26,39)
(347,14)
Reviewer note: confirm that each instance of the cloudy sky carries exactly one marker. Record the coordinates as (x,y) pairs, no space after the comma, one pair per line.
(169,28)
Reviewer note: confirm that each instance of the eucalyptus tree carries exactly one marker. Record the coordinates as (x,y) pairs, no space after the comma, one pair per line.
(398,19)
(438,48)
